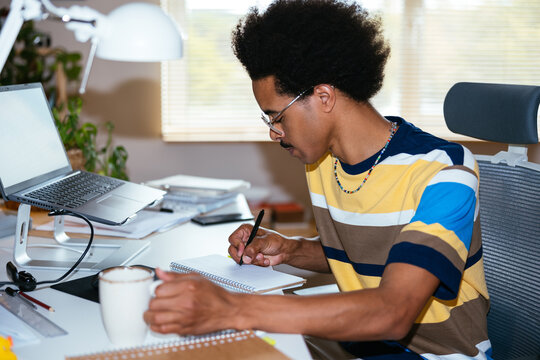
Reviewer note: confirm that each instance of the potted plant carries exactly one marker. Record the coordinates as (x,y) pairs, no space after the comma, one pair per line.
(81,146)
(33,60)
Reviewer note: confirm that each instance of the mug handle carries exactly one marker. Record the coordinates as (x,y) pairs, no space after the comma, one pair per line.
(153,286)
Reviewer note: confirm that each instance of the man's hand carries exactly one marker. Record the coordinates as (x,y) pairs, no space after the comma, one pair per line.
(271,248)
(190,304)
(267,248)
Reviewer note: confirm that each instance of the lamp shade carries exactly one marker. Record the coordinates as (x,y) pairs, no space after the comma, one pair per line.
(138,32)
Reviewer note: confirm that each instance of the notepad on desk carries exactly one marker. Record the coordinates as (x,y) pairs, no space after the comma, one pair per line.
(223,346)
(225,272)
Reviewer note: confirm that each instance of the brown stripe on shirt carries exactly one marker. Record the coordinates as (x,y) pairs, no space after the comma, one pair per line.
(476,240)
(461,167)
(434,242)
(446,337)
(350,238)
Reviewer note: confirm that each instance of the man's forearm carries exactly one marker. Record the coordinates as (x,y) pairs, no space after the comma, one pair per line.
(335,317)
(307,254)
(386,312)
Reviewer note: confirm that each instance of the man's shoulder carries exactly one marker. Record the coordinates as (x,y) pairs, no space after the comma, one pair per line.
(413,144)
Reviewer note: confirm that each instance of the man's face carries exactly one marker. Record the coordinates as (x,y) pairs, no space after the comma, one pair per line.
(303,134)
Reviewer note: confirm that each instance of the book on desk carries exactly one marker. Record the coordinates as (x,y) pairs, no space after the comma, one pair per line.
(195,192)
(225,345)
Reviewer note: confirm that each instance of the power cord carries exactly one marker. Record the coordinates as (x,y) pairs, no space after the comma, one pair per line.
(25,281)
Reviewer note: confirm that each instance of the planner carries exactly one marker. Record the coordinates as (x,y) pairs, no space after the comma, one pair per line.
(225,272)
(223,346)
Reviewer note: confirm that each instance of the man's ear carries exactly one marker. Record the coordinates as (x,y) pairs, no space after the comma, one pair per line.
(326,95)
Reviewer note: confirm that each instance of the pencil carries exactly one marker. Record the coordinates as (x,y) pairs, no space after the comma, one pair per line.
(36,301)
(253,233)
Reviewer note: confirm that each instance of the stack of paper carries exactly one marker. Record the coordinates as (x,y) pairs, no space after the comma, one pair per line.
(201,186)
(200,193)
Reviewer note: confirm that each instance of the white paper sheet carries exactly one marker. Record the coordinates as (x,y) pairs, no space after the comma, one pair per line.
(145,223)
(21,333)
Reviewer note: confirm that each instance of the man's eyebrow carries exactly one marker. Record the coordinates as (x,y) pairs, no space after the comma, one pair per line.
(270,112)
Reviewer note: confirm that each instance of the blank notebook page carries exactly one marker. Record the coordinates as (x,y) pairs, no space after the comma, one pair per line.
(227,273)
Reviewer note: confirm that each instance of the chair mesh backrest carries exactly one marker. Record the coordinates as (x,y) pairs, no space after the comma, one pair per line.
(510,221)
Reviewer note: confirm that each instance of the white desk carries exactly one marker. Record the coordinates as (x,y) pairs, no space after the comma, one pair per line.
(82,319)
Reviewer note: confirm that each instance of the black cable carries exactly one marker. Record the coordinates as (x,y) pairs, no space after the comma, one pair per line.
(57,213)
(64,212)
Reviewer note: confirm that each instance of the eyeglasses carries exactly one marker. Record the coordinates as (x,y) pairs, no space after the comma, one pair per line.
(270,121)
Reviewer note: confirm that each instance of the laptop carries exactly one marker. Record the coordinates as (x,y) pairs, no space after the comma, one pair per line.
(35,170)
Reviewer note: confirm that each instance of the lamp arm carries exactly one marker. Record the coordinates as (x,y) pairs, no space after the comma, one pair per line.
(10,30)
(60,12)
(81,20)
(82,88)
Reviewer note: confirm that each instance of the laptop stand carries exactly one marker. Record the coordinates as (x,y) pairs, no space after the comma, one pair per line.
(122,250)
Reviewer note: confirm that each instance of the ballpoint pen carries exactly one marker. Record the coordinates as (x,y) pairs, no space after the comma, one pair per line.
(253,233)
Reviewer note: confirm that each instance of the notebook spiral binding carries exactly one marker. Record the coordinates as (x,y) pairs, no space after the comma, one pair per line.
(224,282)
(186,343)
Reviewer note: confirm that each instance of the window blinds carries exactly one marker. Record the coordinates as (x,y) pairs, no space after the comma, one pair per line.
(206,96)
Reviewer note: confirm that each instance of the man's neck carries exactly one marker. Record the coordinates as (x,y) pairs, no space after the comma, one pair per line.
(360,132)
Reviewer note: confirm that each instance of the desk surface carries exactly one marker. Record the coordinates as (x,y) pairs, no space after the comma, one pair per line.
(82,319)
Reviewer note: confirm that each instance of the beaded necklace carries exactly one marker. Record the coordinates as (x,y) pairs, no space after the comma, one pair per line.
(392,132)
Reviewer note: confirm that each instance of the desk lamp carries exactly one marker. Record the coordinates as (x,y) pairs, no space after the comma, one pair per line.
(132,32)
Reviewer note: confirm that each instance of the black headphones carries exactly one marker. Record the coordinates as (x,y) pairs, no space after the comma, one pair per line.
(22,279)
(25,281)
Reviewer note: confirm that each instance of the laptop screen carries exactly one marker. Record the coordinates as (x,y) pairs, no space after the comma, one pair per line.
(29,142)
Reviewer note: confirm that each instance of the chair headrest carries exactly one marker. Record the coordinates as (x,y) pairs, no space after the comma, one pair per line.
(494,112)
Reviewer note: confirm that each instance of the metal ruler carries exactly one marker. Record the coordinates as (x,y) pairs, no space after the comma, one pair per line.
(29,315)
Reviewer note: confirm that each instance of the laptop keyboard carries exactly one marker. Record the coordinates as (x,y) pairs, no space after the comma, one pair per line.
(75,190)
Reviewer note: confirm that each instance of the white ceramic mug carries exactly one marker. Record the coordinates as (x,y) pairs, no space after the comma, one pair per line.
(124,294)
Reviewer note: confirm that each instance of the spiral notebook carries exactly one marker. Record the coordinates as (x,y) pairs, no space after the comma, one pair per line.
(223,346)
(225,272)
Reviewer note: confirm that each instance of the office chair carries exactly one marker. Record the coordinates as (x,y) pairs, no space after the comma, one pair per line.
(509,208)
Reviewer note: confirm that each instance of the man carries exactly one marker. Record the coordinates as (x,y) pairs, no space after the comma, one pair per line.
(395,207)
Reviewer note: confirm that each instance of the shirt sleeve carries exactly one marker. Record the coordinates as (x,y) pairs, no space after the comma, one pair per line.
(439,235)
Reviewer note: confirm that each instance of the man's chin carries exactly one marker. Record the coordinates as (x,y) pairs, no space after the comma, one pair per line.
(295,153)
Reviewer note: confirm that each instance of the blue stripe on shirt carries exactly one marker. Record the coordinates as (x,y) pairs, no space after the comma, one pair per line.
(450,205)
(379,350)
(431,260)
(474,258)
(359,268)
(411,140)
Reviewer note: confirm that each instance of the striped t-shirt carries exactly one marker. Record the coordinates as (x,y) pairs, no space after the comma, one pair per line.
(419,206)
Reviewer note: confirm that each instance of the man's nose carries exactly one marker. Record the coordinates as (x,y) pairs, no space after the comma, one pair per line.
(276,136)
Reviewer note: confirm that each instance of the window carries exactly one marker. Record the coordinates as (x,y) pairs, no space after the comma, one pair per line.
(206,96)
